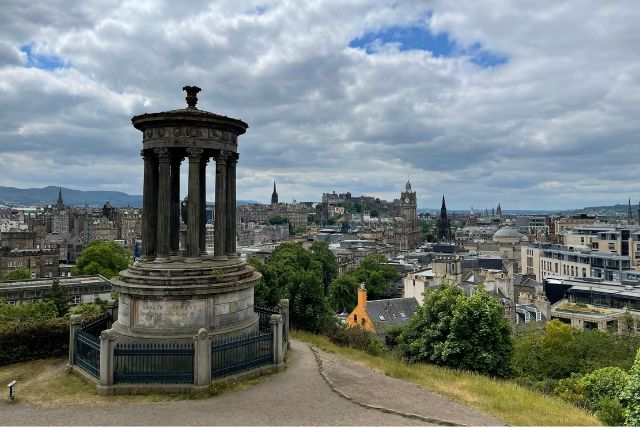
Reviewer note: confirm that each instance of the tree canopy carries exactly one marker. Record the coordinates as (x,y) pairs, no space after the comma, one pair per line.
(17,274)
(461,332)
(375,272)
(327,261)
(343,294)
(293,272)
(104,258)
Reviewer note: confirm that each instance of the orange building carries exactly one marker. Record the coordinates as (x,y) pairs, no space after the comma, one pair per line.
(376,316)
(359,317)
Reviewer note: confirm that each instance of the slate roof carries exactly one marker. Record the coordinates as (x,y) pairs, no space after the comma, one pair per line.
(385,313)
(485,263)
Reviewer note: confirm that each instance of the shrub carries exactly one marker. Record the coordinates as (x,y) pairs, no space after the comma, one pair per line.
(33,311)
(610,411)
(355,337)
(630,396)
(33,339)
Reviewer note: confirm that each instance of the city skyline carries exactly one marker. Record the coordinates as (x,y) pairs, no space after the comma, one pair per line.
(531,106)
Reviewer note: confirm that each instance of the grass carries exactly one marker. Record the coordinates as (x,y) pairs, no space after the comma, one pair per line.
(47,383)
(503,399)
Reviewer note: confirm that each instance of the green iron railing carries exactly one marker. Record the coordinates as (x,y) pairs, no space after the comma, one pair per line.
(87,353)
(153,364)
(264,317)
(241,353)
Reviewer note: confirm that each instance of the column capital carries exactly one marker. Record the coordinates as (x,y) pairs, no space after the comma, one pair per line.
(176,158)
(221,156)
(147,155)
(194,154)
(233,159)
(163,154)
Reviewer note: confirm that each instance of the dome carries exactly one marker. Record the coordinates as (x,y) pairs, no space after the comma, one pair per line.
(507,235)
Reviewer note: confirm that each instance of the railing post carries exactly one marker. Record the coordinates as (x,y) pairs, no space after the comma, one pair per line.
(74,324)
(284,311)
(107,345)
(276,336)
(112,309)
(201,358)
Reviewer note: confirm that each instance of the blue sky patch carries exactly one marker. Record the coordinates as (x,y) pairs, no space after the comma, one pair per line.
(43,62)
(420,38)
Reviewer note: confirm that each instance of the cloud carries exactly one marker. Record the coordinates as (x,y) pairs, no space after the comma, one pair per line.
(533,105)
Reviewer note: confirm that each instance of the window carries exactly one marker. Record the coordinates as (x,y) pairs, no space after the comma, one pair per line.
(77,299)
(594,245)
(612,246)
(33,275)
(584,272)
(355,319)
(364,321)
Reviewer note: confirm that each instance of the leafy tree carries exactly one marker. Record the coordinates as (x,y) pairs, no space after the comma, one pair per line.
(630,396)
(293,272)
(328,261)
(17,274)
(33,311)
(343,294)
(59,297)
(309,310)
(104,258)
(376,274)
(541,354)
(91,310)
(277,220)
(344,228)
(461,332)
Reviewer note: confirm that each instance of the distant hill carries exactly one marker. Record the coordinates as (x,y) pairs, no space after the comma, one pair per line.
(71,197)
(608,211)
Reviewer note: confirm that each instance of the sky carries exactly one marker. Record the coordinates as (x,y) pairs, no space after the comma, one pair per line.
(530,104)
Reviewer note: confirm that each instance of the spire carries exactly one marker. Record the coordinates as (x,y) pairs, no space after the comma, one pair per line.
(444,205)
(629,212)
(60,202)
(407,187)
(274,195)
(499,210)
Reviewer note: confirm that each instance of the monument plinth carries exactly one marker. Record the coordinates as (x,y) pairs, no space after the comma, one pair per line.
(174,291)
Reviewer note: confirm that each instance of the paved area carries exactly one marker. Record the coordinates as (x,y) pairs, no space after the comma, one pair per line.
(298,396)
(373,389)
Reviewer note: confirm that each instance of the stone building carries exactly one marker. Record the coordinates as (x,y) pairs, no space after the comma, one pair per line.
(39,262)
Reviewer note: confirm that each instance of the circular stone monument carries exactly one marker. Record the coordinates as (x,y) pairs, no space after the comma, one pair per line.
(174,291)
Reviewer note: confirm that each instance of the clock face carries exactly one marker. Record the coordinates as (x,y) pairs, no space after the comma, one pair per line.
(406,200)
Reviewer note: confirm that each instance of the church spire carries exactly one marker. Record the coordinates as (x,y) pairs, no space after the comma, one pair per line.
(444,231)
(274,195)
(60,202)
(629,212)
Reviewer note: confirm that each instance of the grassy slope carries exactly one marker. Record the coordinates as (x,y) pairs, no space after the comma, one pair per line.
(505,400)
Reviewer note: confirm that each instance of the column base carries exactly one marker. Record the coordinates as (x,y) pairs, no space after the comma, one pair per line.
(162,259)
(220,258)
(192,259)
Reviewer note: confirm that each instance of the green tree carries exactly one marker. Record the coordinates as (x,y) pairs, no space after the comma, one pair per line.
(104,258)
(630,396)
(33,311)
(375,272)
(343,294)
(459,331)
(277,220)
(17,274)
(293,272)
(328,262)
(59,297)
(344,227)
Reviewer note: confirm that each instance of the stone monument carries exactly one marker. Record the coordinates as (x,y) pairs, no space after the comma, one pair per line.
(173,292)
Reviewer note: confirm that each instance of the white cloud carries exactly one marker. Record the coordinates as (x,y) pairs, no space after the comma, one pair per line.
(556,126)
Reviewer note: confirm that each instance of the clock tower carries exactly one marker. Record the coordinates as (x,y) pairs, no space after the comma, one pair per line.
(408,204)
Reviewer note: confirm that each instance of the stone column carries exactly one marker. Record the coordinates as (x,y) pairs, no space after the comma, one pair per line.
(193,205)
(175,204)
(231,205)
(283,305)
(149,204)
(164,205)
(74,324)
(202,358)
(221,204)
(203,206)
(276,335)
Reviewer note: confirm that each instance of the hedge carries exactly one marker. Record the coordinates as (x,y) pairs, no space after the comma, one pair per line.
(29,339)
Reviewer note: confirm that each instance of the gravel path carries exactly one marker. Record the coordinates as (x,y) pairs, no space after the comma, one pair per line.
(297,396)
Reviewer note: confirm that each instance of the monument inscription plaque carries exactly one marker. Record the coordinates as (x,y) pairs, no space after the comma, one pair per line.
(170,314)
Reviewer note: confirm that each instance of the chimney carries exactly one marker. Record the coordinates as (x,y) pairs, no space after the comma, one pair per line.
(362,296)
